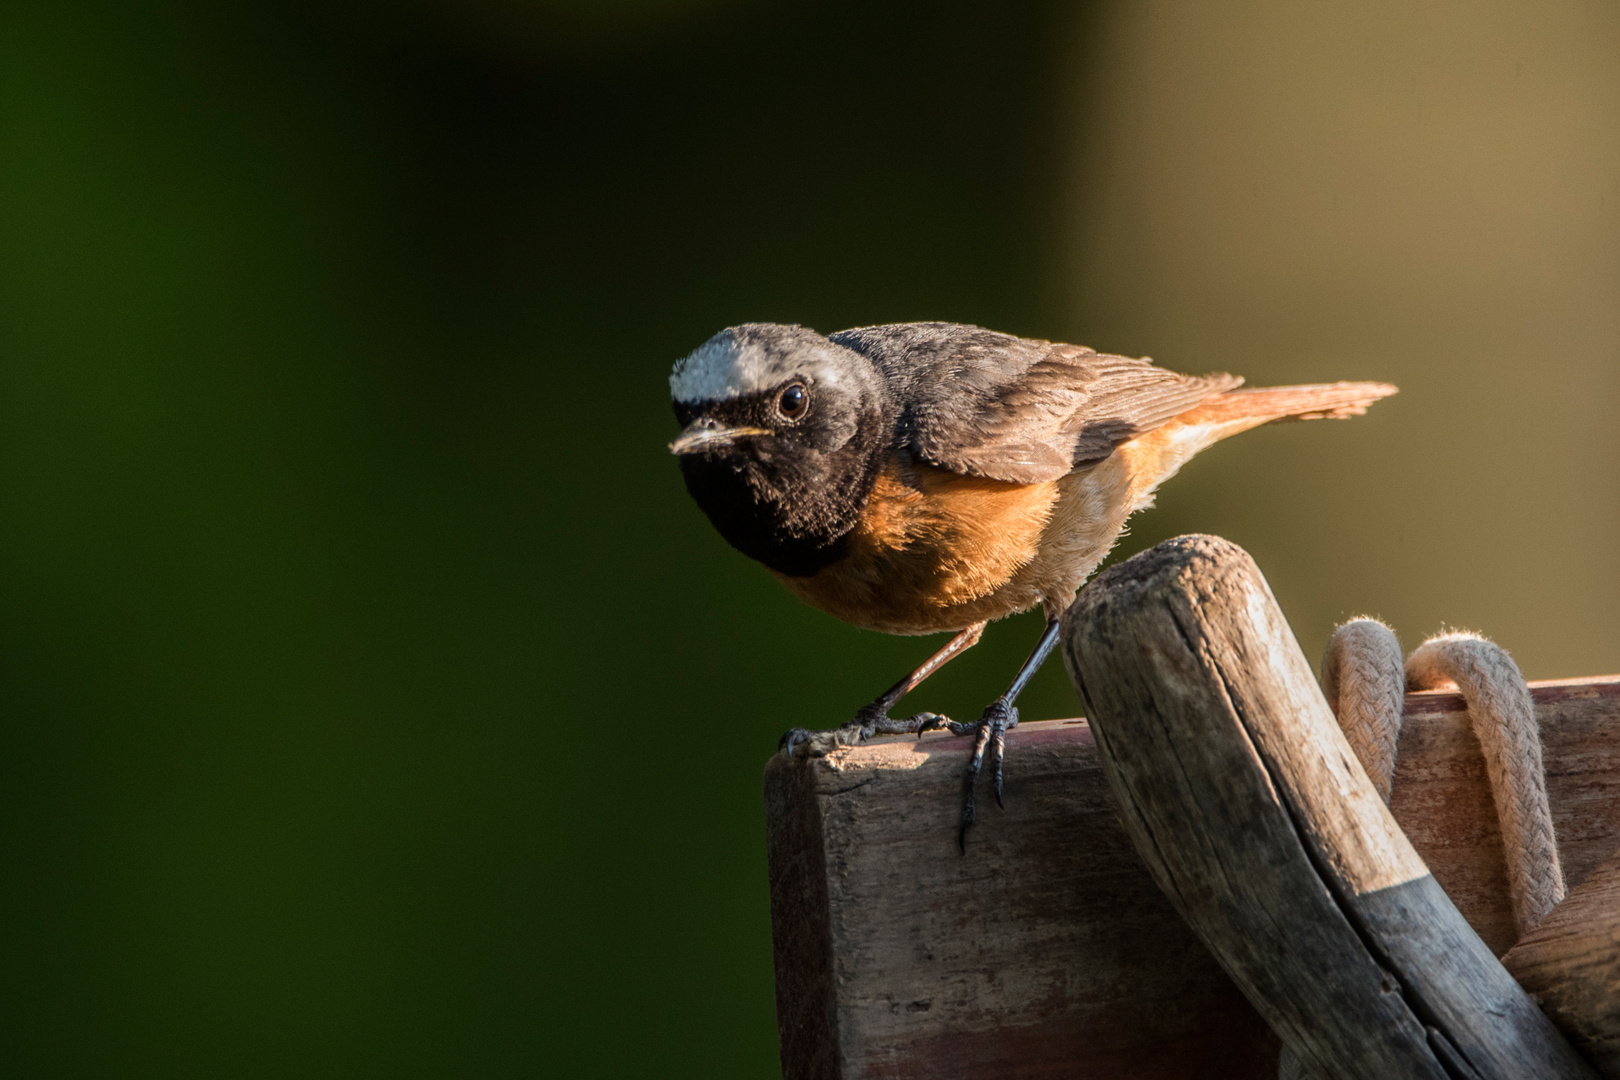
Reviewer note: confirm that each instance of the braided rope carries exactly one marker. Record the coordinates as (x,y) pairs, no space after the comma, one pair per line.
(1361,678)
(1505,722)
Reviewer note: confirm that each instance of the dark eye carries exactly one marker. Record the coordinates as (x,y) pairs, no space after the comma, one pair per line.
(793,402)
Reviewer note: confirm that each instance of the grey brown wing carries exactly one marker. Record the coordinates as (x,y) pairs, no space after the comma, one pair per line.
(1016,409)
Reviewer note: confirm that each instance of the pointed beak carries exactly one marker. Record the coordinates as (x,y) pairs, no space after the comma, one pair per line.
(701,435)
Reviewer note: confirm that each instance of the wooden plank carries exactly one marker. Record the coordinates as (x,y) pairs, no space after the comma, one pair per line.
(1249,808)
(1047,950)
(1571,963)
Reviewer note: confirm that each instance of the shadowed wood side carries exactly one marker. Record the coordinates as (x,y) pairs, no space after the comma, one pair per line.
(1246,803)
(801,929)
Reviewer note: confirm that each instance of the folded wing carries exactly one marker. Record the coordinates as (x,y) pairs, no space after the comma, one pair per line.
(1020,410)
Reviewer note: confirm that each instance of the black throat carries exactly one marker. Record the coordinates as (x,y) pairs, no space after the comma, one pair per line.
(785,503)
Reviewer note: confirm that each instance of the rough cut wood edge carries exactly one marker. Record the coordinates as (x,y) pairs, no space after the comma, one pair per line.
(1571,963)
(1250,810)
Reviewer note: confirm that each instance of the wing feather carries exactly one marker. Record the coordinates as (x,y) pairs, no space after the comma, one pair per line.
(1017,409)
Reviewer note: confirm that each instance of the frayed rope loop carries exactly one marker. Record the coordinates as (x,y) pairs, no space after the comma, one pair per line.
(1364,681)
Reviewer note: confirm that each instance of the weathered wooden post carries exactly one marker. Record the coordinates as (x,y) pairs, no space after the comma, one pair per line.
(1254,817)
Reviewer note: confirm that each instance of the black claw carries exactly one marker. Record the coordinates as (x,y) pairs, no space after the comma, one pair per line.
(971,778)
(991,730)
(967,817)
(1000,748)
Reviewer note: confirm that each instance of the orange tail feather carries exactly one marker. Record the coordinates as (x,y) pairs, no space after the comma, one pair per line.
(1317,401)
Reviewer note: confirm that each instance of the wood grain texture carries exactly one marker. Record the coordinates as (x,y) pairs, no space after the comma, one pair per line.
(1047,950)
(1571,963)
(1254,816)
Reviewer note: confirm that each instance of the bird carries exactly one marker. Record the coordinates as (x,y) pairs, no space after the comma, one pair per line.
(928,477)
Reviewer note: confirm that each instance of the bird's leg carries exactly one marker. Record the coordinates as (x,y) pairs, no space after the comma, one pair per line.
(999,718)
(873,719)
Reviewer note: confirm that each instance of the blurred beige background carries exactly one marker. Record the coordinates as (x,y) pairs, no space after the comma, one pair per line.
(1424,193)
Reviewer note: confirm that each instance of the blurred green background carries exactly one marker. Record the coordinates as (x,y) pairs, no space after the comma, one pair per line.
(376,703)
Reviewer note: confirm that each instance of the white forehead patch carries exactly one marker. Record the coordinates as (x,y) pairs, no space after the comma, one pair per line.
(724,367)
(716,370)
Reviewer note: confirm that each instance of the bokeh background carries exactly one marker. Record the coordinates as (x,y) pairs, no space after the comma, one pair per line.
(374,701)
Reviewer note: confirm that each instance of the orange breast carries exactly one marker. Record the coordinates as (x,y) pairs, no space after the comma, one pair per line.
(932,551)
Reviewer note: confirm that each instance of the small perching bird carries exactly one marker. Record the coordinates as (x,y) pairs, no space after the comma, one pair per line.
(928,477)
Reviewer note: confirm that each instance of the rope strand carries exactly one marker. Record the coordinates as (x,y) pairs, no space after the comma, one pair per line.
(1504,718)
(1363,683)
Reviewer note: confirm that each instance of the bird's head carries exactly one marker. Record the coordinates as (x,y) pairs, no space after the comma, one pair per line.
(783,434)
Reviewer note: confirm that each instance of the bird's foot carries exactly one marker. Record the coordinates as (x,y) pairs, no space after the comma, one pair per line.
(870,721)
(991,730)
